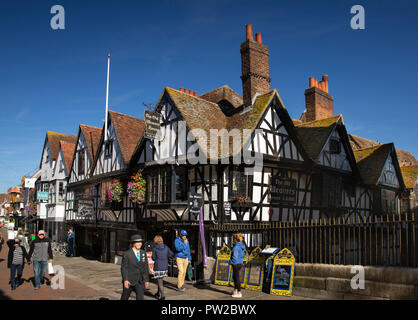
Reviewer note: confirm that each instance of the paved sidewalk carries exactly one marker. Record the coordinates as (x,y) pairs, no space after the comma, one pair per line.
(92,280)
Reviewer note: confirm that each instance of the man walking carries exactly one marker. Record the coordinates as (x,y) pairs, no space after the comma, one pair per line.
(41,250)
(135,270)
(70,242)
(183,258)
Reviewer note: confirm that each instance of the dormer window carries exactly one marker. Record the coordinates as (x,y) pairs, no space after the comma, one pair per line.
(334,146)
(108,149)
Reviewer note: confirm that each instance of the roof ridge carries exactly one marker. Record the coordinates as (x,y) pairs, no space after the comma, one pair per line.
(377,146)
(86,125)
(333,117)
(189,95)
(224,86)
(58,133)
(127,115)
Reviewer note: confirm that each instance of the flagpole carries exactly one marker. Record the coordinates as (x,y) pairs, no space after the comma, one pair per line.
(107,96)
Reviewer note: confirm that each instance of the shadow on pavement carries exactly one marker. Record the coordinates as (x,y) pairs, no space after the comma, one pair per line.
(3,296)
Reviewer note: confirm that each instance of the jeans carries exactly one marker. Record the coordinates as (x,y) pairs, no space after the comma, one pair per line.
(39,269)
(182,269)
(235,275)
(13,269)
(70,248)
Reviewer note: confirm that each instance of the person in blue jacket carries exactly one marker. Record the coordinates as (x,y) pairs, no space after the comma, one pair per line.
(70,242)
(183,258)
(237,256)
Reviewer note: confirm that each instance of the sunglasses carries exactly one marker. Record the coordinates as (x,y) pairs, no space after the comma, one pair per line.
(41,234)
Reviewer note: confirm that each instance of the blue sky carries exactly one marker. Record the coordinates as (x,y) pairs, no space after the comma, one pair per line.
(56,79)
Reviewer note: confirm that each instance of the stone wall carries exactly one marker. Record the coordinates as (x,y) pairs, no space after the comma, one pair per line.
(334,282)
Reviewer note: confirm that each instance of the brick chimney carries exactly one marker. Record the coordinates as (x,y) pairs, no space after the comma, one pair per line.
(319,103)
(255,66)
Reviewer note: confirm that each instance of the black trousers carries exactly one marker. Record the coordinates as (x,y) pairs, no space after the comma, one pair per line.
(138,288)
(235,275)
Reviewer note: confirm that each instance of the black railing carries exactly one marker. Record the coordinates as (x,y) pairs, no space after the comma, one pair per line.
(388,240)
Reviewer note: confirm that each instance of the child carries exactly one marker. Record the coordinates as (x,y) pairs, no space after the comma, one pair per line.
(15,261)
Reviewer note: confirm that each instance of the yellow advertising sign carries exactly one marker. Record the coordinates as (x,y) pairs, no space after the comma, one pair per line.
(242,272)
(255,270)
(282,275)
(222,271)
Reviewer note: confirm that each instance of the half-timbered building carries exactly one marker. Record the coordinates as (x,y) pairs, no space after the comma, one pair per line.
(103,227)
(57,150)
(308,170)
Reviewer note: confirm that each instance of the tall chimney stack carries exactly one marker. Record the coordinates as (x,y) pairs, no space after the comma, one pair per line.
(255,66)
(319,103)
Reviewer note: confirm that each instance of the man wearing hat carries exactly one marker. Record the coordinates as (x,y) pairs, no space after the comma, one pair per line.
(135,270)
(41,253)
(183,258)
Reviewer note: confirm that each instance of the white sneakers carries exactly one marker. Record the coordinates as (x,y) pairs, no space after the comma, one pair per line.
(237,295)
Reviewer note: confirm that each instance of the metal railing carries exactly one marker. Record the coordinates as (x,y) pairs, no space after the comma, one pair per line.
(388,240)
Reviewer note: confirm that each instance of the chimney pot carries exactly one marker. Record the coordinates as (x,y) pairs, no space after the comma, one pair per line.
(250,32)
(191,92)
(186,91)
(195,94)
(258,37)
(181,89)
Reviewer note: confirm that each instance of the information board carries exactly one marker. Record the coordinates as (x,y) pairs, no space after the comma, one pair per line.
(152,124)
(283,271)
(222,271)
(255,270)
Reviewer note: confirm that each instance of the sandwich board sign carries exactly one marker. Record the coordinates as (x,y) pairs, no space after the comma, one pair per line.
(222,271)
(255,270)
(283,271)
(242,272)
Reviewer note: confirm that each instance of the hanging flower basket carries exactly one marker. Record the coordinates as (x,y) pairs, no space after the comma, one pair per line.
(115,192)
(241,201)
(137,188)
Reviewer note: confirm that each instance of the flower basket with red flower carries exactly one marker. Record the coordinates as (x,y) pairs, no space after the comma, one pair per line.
(136,188)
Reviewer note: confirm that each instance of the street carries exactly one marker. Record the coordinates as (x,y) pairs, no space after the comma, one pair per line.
(93,280)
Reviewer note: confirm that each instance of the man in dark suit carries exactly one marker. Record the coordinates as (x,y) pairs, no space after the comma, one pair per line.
(135,270)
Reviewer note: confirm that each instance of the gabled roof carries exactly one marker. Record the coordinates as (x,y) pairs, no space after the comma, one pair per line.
(371,162)
(54,139)
(405,158)
(194,109)
(314,134)
(67,149)
(92,137)
(129,131)
(410,176)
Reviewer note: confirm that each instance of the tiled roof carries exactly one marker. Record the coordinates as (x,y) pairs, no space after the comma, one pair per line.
(67,152)
(405,158)
(195,109)
(371,161)
(92,137)
(313,135)
(223,93)
(297,122)
(410,176)
(129,131)
(54,139)
(3,197)
(13,190)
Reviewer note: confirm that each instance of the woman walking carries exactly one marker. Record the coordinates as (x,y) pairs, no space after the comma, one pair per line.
(160,254)
(15,261)
(237,256)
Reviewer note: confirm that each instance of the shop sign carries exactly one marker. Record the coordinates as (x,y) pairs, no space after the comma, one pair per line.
(42,195)
(282,190)
(195,203)
(152,124)
(85,207)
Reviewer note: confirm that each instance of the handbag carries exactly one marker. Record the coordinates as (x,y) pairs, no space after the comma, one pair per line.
(189,272)
(50,268)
